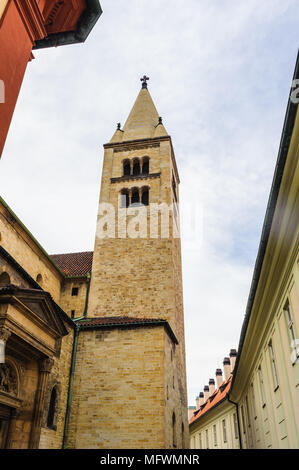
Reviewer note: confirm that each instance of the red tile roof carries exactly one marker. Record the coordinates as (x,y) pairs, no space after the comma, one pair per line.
(219,395)
(117,321)
(74,264)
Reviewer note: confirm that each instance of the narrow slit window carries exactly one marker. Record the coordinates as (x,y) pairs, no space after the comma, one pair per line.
(52,408)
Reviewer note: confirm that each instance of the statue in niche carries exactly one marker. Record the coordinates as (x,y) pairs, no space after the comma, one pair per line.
(8,379)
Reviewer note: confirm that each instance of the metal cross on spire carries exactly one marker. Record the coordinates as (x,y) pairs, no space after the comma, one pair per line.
(144,80)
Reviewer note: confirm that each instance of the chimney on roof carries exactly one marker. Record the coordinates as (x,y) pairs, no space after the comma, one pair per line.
(226,368)
(197,402)
(206,392)
(219,377)
(211,386)
(233,356)
(201,399)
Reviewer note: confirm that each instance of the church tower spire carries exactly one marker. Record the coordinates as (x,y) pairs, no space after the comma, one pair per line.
(135,310)
(143,121)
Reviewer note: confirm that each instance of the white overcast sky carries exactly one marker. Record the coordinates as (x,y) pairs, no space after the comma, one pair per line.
(220,73)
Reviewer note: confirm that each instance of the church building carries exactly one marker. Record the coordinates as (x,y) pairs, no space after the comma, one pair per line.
(93,342)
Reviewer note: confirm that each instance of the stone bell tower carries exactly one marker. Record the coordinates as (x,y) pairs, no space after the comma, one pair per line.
(130,375)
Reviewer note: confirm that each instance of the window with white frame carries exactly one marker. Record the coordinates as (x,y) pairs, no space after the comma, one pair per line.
(273,365)
(292,334)
(224,430)
(236,426)
(200,441)
(253,400)
(247,411)
(243,419)
(262,389)
(215,434)
(207,439)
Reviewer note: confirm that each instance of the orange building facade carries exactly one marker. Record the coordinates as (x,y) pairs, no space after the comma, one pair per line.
(34,24)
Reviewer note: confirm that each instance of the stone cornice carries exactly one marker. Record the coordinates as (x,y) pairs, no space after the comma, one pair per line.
(32,18)
(134,177)
(136,144)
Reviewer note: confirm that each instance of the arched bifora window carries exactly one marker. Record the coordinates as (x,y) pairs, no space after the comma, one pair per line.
(127,168)
(135,199)
(4,279)
(136,167)
(145,166)
(52,409)
(145,196)
(125,199)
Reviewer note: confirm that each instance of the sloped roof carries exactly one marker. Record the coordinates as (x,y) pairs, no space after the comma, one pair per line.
(142,122)
(74,264)
(218,396)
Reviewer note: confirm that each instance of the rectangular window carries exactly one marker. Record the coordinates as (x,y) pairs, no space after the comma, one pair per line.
(236,426)
(262,386)
(247,411)
(73,314)
(207,439)
(215,434)
(200,441)
(75,291)
(273,365)
(253,401)
(292,334)
(224,430)
(243,419)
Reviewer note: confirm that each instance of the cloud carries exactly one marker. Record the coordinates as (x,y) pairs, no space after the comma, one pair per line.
(219,74)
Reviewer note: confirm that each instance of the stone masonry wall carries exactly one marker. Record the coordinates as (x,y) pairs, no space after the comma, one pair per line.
(118,393)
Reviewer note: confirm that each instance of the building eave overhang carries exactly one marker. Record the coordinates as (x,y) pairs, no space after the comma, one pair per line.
(91,323)
(201,418)
(286,136)
(87,21)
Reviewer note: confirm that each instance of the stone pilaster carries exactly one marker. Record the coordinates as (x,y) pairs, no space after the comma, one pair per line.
(45,367)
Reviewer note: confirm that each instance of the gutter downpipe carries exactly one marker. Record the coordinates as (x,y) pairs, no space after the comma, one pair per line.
(72,369)
(238,420)
(70,388)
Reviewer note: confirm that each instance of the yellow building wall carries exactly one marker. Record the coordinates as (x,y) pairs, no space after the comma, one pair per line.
(25,251)
(207,425)
(69,302)
(274,422)
(119,390)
